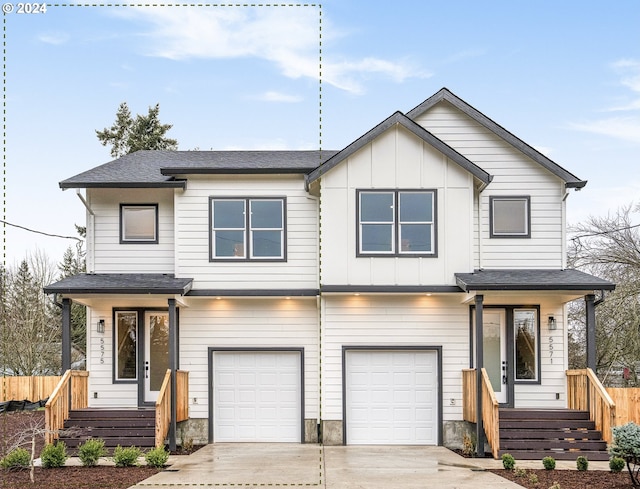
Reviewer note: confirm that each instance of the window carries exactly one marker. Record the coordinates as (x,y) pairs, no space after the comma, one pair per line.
(510,217)
(126,345)
(138,223)
(258,234)
(525,338)
(396,222)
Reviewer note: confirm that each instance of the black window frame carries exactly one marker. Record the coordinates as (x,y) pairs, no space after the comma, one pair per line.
(396,251)
(248,229)
(525,198)
(156,238)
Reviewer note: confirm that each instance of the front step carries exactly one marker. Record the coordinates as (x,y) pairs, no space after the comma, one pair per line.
(532,434)
(124,427)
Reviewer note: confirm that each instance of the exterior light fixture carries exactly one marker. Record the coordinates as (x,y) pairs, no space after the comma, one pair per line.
(100,326)
(551,322)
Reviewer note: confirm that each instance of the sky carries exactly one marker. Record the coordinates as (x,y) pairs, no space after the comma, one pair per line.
(564,76)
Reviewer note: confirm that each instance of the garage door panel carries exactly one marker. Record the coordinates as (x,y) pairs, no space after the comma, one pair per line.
(391,397)
(257,396)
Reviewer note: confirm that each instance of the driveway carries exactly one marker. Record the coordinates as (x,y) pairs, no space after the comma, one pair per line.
(249,466)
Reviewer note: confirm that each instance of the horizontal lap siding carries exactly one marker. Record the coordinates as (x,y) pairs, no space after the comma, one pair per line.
(192,224)
(388,321)
(113,257)
(247,323)
(514,174)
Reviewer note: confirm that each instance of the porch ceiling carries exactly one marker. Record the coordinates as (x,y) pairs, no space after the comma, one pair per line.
(120,283)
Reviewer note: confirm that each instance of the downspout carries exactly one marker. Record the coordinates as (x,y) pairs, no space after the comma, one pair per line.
(91,235)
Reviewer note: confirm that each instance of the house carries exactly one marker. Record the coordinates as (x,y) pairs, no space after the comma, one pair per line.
(333,295)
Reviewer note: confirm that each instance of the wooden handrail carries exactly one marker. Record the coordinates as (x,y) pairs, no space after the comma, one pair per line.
(469,395)
(163,410)
(71,393)
(182,395)
(586,393)
(490,406)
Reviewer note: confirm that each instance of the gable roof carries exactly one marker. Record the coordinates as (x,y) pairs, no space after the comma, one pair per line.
(149,168)
(398,118)
(445,94)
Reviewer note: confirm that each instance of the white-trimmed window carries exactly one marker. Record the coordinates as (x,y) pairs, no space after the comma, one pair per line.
(510,216)
(126,345)
(138,223)
(248,228)
(396,222)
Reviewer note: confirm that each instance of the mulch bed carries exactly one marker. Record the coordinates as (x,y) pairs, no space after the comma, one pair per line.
(569,479)
(77,477)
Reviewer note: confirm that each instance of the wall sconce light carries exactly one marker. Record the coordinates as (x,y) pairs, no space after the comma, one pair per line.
(100,327)
(551,322)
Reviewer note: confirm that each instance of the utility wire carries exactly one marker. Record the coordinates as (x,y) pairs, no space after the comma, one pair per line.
(39,232)
(601,233)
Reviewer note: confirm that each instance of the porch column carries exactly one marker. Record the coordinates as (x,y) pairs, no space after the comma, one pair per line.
(66,335)
(173,365)
(479,365)
(589,300)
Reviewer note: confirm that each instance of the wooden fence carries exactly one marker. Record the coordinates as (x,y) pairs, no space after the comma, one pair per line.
(627,401)
(35,388)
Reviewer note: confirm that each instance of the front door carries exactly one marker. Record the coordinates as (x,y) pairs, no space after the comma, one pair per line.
(494,345)
(156,355)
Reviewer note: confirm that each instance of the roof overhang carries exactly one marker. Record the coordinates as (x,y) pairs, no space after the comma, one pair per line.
(121,283)
(182,184)
(527,280)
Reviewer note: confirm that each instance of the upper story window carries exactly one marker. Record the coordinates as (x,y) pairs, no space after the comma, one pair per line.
(247,228)
(510,217)
(396,222)
(138,223)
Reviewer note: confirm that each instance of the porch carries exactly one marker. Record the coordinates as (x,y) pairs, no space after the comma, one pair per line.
(583,428)
(68,416)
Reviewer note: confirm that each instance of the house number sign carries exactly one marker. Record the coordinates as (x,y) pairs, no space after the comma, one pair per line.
(550,349)
(101,350)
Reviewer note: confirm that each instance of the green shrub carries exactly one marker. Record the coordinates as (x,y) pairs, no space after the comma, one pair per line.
(16,459)
(157,457)
(518,472)
(54,456)
(533,479)
(582,463)
(126,457)
(508,462)
(549,463)
(90,451)
(626,441)
(616,464)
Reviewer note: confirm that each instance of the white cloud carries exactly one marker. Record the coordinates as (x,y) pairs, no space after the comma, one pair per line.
(629,70)
(272,96)
(625,128)
(55,38)
(288,37)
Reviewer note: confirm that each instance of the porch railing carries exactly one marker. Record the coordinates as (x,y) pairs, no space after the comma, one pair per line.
(163,404)
(586,393)
(72,392)
(490,407)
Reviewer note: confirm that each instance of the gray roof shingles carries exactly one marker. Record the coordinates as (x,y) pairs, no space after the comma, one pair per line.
(525,279)
(121,283)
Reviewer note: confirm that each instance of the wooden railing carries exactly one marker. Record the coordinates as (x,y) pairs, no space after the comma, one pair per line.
(163,404)
(33,388)
(490,407)
(72,392)
(585,392)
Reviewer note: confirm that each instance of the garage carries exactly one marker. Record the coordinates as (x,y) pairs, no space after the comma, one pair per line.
(257,395)
(391,396)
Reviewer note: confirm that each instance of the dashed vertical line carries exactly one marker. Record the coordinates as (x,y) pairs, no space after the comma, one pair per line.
(319,302)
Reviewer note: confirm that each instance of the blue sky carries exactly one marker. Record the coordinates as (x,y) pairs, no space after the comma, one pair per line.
(562,75)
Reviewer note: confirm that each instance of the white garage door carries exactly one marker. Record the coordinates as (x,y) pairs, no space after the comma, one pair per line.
(257,396)
(391,397)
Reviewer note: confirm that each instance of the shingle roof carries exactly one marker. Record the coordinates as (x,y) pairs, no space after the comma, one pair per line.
(159,168)
(531,280)
(121,283)
(444,94)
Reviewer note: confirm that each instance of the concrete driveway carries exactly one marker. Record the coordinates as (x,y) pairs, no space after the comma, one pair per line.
(249,466)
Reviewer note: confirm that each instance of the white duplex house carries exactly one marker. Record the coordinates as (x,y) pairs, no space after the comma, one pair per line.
(332,296)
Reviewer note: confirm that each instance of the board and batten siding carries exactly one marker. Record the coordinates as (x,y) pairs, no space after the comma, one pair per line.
(397,159)
(103,241)
(439,320)
(193,234)
(247,323)
(513,174)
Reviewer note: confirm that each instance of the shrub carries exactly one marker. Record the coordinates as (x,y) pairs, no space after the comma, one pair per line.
(126,457)
(508,462)
(549,463)
(533,479)
(555,485)
(626,445)
(54,456)
(616,464)
(468,446)
(582,463)
(16,459)
(518,472)
(157,457)
(90,451)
